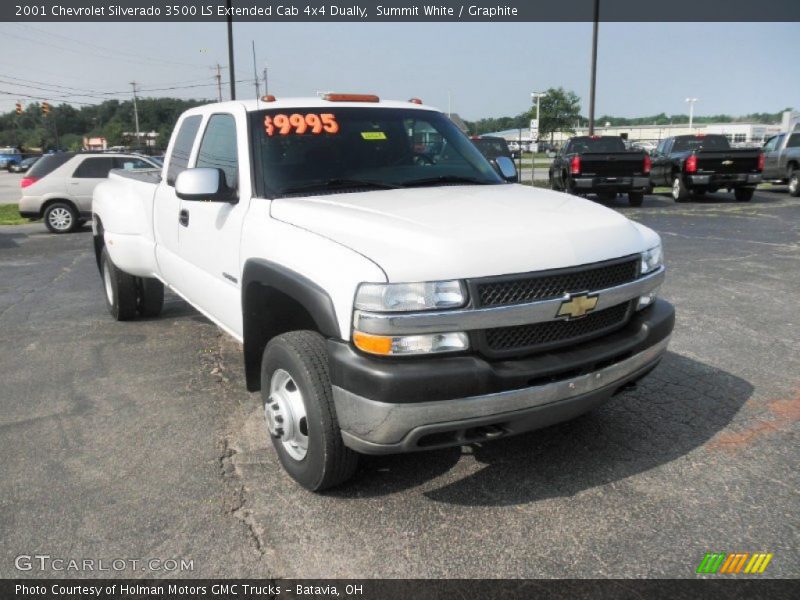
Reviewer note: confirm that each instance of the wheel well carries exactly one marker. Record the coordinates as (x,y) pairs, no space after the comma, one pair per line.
(268,312)
(53,201)
(793,165)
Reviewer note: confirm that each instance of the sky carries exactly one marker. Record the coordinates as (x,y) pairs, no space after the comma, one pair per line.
(485,69)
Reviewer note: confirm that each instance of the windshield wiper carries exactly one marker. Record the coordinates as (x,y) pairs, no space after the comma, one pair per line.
(443,179)
(332,184)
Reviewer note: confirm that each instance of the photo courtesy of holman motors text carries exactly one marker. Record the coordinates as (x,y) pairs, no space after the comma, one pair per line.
(399,299)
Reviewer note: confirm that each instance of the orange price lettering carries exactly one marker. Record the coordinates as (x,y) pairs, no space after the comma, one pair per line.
(300,124)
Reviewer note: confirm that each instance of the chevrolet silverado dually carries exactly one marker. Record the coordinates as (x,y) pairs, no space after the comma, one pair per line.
(391,289)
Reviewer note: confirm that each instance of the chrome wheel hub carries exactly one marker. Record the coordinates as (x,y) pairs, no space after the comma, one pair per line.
(676,189)
(285,414)
(793,183)
(60,218)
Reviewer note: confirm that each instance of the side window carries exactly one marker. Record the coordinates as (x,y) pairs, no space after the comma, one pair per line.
(794,141)
(130,163)
(218,148)
(94,168)
(182,148)
(661,145)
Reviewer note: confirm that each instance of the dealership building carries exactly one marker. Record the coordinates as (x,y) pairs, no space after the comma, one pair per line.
(750,134)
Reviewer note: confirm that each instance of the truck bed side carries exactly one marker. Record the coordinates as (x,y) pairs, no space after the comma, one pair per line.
(122,210)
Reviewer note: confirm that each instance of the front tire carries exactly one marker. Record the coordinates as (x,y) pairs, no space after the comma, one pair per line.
(635,198)
(61,217)
(120,289)
(300,413)
(680,193)
(743,194)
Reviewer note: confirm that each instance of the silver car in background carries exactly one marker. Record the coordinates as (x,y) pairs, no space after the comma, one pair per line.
(58,188)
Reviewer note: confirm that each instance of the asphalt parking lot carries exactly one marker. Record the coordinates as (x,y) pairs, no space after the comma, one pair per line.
(139,439)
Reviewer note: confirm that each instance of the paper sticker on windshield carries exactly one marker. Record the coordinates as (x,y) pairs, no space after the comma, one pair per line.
(298,124)
(373,135)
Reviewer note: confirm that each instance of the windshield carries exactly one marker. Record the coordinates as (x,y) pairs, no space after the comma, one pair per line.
(597,144)
(311,150)
(701,142)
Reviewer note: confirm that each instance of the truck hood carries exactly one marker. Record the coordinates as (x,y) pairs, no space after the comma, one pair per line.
(455,232)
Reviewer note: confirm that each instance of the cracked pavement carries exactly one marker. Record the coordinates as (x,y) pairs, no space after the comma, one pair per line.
(139,439)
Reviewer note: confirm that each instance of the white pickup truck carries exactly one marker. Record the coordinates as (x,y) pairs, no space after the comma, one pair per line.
(391,289)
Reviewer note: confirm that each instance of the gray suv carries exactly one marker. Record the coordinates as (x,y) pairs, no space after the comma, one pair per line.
(58,188)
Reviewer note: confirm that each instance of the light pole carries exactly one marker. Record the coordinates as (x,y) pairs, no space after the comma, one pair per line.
(230,49)
(536,96)
(691,102)
(593,81)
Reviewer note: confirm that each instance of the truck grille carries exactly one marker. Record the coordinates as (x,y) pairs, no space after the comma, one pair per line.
(553,284)
(551,334)
(503,342)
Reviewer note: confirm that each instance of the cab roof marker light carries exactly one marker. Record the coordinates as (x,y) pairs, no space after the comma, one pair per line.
(268,98)
(330,97)
(415,101)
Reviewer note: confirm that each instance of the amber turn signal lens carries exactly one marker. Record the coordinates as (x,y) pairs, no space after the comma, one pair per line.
(374,344)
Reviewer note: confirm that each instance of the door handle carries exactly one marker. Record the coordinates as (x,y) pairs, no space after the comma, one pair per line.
(183,217)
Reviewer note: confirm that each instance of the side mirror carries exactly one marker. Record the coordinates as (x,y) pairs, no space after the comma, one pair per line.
(507,169)
(203,184)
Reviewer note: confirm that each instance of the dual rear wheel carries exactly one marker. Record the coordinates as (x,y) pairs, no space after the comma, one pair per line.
(128,296)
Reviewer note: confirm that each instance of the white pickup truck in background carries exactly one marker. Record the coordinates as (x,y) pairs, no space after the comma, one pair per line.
(392,290)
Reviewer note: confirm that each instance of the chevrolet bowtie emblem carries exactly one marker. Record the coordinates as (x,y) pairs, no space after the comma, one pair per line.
(576,306)
(727,162)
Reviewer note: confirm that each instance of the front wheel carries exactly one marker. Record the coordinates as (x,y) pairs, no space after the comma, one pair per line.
(300,413)
(680,193)
(794,183)
(61,217)
(743,194)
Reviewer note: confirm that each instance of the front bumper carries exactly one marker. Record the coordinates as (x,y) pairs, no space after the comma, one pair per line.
(611,183)
(392,406)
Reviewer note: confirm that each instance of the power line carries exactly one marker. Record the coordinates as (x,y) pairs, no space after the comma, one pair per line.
(138,55)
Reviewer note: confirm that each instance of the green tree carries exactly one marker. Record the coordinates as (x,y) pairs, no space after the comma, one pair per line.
(559,110)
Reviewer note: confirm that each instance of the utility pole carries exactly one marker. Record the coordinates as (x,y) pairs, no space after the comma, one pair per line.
(691,102)
(218,77)
(266,89)
(594,66)
(230,50)
(255,73)
(135,114)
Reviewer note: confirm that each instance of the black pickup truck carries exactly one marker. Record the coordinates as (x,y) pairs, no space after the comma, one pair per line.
(696,164)
(601,165)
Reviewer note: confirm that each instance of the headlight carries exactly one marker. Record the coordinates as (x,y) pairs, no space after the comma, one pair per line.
(652,259)
(435,343)
(391,297)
